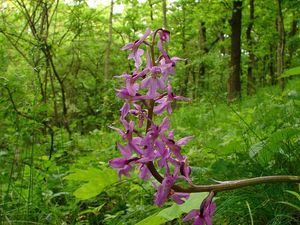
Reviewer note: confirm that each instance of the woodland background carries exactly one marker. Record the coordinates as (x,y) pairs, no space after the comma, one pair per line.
(57,98)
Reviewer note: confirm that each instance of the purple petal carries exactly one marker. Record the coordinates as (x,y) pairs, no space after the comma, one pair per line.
(185,170)
(132,88)
(152,87)
(169,108)
(146,82)
(145,35)
(191,215)
(165,124)
(164,35)
(124,110)
(178,197)
(144,172)
(161,49)
(171,134)
(118,162)
(184,141)
(155,70)
(128,46)
(161,84)
(137,57)
(149,61)
(161,195)
(125,171)
(160,108)
(210,209)
(135,147)
(164,189)
(118,130)
(125,151)
(199,221)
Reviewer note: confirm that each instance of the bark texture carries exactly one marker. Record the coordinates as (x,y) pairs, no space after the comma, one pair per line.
(234,81)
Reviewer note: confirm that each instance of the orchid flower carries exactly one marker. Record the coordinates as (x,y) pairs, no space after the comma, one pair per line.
(146,92)
(136,51)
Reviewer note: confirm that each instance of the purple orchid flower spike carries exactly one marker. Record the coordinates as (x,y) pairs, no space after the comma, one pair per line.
(136,51)
(155,146)
(165,102)
(205,214)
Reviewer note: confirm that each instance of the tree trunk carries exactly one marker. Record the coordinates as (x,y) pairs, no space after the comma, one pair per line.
(203,50)
(151,10)
(164,10)
(291,48)
(108,48)
(234,81)
(184,84)
(280,45)
(251,59)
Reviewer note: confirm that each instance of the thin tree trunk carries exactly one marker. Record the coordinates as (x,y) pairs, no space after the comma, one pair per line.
(203,50)
(108,48)
(291,34)
(234,81)
(151,10)
(251,60)
(280,45)
(184,85)
(164,10)
(262,76)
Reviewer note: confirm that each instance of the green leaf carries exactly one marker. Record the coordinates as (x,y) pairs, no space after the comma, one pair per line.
(92,210)
(297,195)
(171,213)
(193,202)
(152,220)
(96,180)
(291,72)
(264,151)
(291,205)
(256,148)
(175,211)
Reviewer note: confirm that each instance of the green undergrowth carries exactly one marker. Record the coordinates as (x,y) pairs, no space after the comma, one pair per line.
(259,135)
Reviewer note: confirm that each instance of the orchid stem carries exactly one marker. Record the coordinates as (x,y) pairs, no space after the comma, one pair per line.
(226,185)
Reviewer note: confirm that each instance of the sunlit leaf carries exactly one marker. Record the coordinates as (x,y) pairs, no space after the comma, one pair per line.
(291,72)
(152,220)
(96,179)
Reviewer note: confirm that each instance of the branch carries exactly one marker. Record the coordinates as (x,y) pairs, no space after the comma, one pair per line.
(226,185)
(44,122)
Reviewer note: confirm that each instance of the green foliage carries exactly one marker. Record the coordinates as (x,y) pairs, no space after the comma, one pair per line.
(291,72)
(54,163)
(296,195)
(96,179)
